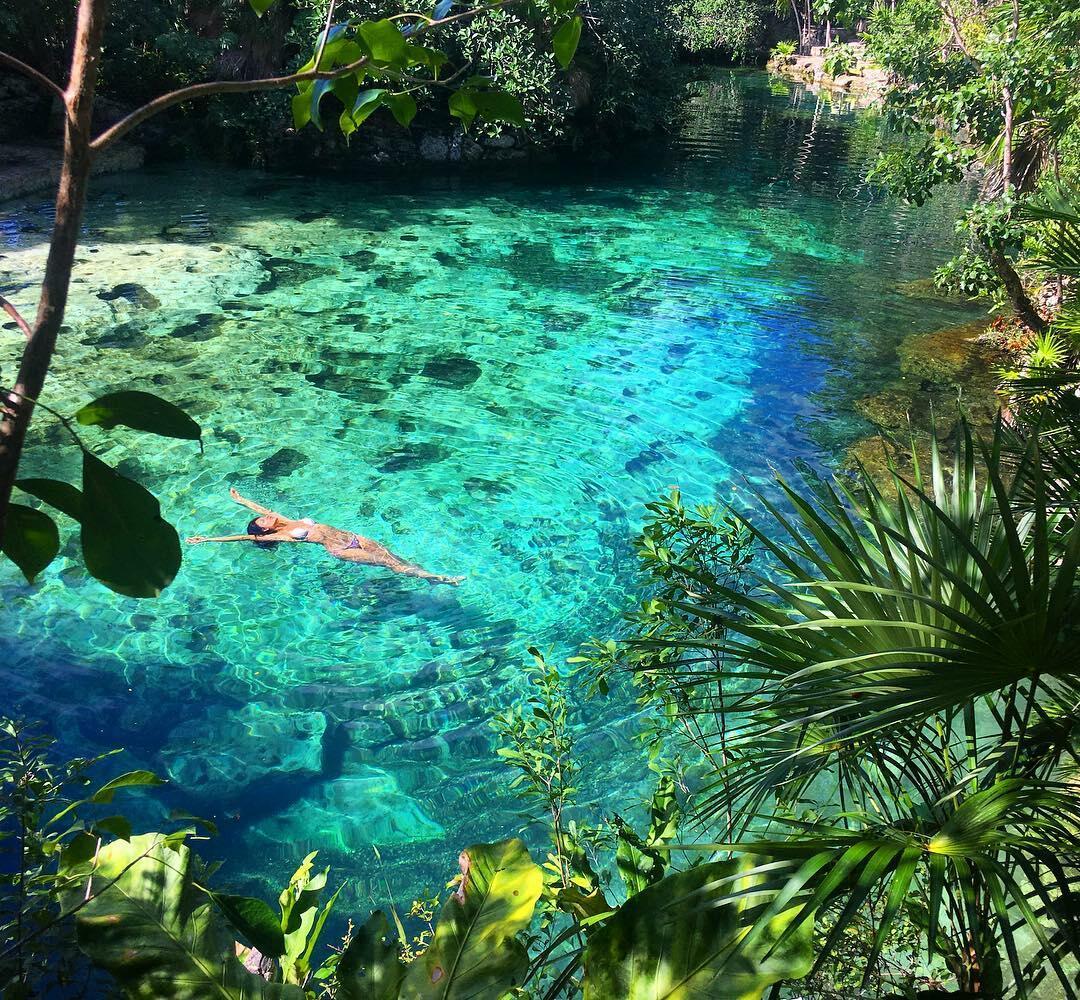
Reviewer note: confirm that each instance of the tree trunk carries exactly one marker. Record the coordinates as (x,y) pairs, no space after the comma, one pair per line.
(1007,142)
(798,23)
(1014,288)
(70,202)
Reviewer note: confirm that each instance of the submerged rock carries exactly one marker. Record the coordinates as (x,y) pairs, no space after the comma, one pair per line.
(455,371)
(133,293)
(352,813)
(218,756)
(943,356)
(362,258)
(284,462)
(413,456)
(890,409)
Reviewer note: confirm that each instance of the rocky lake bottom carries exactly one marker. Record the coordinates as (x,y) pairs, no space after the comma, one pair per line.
(489,375)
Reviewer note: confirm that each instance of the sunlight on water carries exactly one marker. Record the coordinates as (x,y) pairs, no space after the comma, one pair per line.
(491,377)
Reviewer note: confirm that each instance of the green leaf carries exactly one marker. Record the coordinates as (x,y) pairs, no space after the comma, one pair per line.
(254,920)
(319,90)
(63,496)
(678,938)
(346,90)
(366,103)
(118,826)
(145,925)
(565,40)
(31,540)
(126,544)
(402,107)
(261,6)
(463,105)
(142,411)
(498,106)
(301,107)
(385,42)
(475,952)
(369,968)
(638,865)
(421,55)
(133,779)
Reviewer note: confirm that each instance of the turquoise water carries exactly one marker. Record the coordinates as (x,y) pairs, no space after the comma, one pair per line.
(490,375)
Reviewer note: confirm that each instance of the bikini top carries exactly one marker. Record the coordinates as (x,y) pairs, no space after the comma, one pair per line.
(301,533)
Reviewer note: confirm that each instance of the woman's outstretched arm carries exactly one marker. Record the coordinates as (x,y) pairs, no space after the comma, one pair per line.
(198,539)
(252,505)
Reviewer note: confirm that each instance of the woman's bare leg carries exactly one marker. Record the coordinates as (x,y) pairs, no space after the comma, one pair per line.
(373,554)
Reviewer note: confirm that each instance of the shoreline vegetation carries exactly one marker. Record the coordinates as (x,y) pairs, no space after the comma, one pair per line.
(858,695)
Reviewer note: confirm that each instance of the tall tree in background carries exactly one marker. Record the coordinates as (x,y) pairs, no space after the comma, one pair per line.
(986,87)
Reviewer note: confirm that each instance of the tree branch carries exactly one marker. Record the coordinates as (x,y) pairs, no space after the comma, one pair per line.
(14,314)
(39,78)
(214,87)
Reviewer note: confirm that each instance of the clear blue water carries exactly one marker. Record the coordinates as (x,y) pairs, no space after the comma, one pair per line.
(490,375)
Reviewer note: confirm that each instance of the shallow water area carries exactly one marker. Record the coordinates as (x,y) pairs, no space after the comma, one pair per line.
(490,376)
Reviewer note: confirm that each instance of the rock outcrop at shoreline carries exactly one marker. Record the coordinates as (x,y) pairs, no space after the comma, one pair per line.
(862,79)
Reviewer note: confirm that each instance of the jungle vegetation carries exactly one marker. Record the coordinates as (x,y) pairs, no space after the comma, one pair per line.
(863,702)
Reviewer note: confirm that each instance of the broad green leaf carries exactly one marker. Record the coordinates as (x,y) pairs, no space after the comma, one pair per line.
(369,968)
(422,55)
(319,89)
(385,42)
(565,41)
(126,544)
(261,6)
(366,103)
(142,411)
(346,124)
(155,933)
(402,107)
(463,105)
(677,940)
(301,106)
(31,540)
(475,953)
(498,106)
(338,51)
(638,865)
(346,90)
(63,496)
(118,826)
(254,920)
(133,779)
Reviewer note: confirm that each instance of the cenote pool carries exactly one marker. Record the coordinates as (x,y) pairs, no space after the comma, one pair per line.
(490,375)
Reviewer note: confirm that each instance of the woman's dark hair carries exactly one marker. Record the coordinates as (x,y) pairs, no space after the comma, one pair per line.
(254,528)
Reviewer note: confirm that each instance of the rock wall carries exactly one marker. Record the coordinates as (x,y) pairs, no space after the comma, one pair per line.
(863,80)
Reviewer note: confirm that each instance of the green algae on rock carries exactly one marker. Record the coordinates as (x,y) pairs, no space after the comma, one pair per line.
(946,356)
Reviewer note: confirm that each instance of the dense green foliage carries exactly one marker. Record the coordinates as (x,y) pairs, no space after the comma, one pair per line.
(988,88)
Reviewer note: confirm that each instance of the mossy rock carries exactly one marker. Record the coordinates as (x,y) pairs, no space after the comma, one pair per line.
(924,288)
(893,409)
(943,357)
(877,456)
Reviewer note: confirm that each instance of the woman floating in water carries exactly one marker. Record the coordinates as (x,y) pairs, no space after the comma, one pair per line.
(270,528)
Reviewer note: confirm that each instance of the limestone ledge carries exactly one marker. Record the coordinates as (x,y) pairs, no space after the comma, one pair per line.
(30,169)
(865,82)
